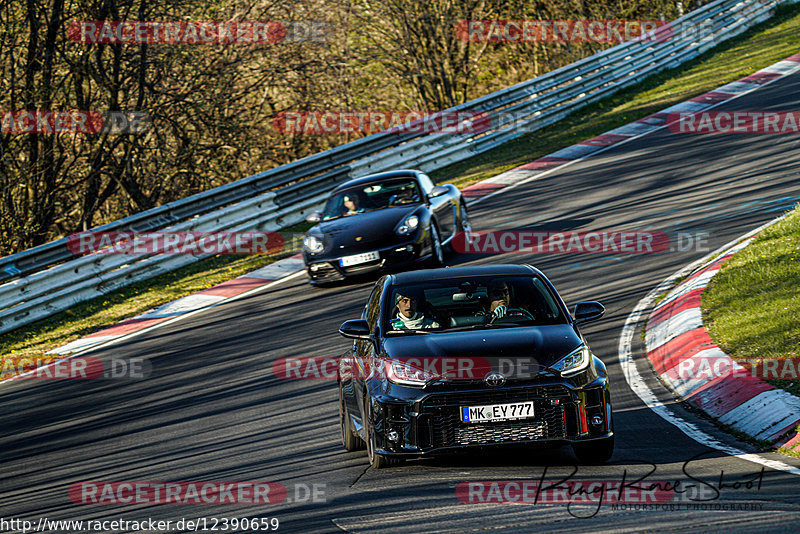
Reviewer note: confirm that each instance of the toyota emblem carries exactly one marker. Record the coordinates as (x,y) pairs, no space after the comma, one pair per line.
(495,379)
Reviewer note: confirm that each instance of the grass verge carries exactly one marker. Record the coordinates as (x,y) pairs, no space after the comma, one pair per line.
(767,43)
(752,306)
(87,317)
(794,451)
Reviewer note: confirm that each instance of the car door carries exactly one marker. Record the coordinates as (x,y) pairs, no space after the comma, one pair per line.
(442,208)
(363,355)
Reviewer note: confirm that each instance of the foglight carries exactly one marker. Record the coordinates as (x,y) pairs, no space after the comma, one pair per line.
(406,375)
(574,362)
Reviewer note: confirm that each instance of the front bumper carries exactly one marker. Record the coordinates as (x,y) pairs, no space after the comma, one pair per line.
(391,257)
(431,424)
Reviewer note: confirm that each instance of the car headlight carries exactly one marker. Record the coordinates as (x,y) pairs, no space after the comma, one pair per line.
(313,244)
(406,375)
(408,225)
(574,362)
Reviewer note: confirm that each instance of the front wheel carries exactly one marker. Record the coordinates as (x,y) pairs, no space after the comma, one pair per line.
(437,252)
(350,441)
(594,452)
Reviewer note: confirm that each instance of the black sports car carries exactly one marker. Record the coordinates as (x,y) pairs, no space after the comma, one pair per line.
(392,219)
(448,359)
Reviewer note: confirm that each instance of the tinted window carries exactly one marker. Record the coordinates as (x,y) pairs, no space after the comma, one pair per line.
(371,197)
(471,303)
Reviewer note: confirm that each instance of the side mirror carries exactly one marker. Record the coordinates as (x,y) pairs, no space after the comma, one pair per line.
(588,311)
(437,191)
(355,329)
(314,217)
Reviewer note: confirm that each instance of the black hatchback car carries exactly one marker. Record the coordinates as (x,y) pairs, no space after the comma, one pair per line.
(466,357)
(394,219)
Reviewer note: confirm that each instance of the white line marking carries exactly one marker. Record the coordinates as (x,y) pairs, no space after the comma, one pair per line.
(639,386)
(158,325)
(186,304)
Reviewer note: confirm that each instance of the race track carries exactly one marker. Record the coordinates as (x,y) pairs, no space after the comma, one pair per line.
(212,410)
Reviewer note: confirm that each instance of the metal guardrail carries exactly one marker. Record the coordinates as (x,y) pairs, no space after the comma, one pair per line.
(47,279)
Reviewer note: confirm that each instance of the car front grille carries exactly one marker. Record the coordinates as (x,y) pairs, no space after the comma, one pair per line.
(498,396)
(499,432)
(441,425)
(363,267)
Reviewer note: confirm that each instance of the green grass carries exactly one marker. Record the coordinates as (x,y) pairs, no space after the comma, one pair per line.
(789,452)
(752,306)
(761,46)
(795,451)
(87,317)
(758,48)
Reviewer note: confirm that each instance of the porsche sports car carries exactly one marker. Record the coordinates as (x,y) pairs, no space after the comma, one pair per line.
(475,356)
(389,220)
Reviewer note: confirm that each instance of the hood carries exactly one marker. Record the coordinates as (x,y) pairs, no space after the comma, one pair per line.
(521,349)
(373,227)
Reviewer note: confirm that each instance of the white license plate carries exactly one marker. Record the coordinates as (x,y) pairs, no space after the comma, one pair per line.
(497,412)
(355,259)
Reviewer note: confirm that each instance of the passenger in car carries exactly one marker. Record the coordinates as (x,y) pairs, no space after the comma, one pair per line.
(351,204)
(503,303)
(499,298)
(408,318)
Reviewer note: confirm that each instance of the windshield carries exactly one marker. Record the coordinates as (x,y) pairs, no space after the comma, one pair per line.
(371,197)
(470,304)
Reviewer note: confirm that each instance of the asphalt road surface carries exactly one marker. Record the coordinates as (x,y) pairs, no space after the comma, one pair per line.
(212,410)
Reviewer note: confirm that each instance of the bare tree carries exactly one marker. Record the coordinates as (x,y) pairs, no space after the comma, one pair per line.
(418,44)
(212,105)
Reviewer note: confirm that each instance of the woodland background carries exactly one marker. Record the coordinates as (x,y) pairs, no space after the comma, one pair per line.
(212,105)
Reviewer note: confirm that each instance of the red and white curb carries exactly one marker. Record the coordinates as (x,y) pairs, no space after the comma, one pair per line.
(696,369)
(473,194)
(189,304)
